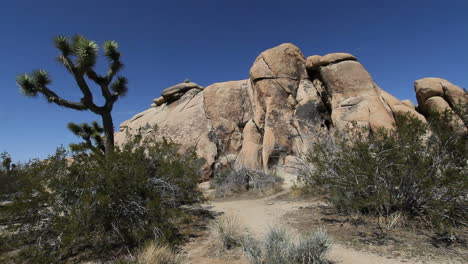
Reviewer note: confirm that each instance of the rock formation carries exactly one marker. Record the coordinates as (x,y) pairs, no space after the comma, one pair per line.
(439,95)
(277,114)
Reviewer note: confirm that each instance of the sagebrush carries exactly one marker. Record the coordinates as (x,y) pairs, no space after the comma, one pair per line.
(279,246)
(88,205)
(418,170)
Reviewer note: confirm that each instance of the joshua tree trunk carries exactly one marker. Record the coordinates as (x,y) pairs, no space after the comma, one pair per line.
(108,132)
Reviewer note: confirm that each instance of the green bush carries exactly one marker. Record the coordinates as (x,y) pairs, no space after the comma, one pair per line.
(90,205)
(8,179)
(418,169)
(230,181)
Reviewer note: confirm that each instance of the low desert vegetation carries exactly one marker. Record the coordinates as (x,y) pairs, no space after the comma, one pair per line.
(230,181)
(8,179)
(228,232)
(278,246)
(415,172)
(152,253)
(92,206)
(158,254)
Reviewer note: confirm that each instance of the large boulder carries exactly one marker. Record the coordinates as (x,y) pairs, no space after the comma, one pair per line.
(227,106)
(399,108)
(428,87)
(455,95)
(175,92)
(275,76)
(335,58)
(250,156)
(159,101)
(313,62)
(456,99)
(355,98)
(439,105)
(183,121)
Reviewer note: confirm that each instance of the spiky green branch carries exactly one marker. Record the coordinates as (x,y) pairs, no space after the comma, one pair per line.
(92,136)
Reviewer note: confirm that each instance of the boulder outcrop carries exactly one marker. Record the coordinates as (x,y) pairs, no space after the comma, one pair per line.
(175,92)
(355,98)
(280,112)
(275,75)
(183,121)
(436,95)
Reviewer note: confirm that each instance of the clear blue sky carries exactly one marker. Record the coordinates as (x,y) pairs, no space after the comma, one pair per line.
(164,42)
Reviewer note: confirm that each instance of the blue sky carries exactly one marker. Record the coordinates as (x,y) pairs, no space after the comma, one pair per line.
(164,42)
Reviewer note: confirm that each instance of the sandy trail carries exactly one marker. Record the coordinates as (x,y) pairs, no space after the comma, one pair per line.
(259,214)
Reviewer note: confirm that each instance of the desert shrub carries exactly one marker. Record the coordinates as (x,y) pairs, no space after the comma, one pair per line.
(8,179)
(280,247)
(90,205)
(252,249)
(227,232)
(230,181)
(312,248)
(417,169)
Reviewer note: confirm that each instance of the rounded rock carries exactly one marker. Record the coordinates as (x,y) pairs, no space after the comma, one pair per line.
(313,62)
(336,57)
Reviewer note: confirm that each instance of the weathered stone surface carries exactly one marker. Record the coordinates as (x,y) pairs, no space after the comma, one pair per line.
(335,57)
(399,108)
(311,117)
(271,119)
(454,95)
(183,121)
(355,97)
(428,87)
(250,155)
(285,60)
(227,106)
(439,105)
(176,91)
(408,103)
(275,76)
(313,62)
(159,101)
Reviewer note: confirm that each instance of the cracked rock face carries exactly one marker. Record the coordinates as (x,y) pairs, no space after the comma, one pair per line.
(355,99)
(227,106)
(281,111)
(276,75)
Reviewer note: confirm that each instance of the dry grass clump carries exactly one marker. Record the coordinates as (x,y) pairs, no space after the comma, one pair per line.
(159,254)
(280,247)
(228,232)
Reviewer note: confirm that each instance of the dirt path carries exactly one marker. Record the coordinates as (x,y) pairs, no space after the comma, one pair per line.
(258,214)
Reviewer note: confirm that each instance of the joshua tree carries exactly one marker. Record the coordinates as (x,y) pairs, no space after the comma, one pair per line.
(79,56)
